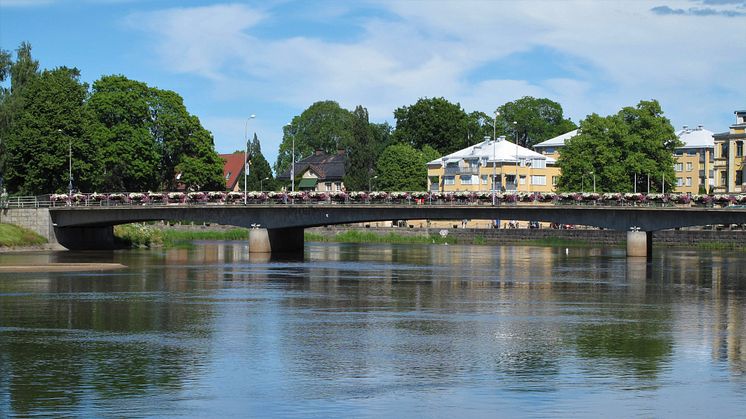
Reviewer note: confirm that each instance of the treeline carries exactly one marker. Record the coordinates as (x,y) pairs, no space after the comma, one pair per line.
(388,158)
(117,135)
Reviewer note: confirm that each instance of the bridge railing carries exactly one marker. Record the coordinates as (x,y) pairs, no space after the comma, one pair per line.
(378,198)
(41,201)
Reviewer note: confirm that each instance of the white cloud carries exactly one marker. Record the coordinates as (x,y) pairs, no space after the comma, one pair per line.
(627,51)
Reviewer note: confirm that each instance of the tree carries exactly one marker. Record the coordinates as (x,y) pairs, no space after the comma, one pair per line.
(323,126)
(403,168)
(21,72)
(536,120)
(51,125)
(361,156)
(435,122)
(259,169)
(637,142)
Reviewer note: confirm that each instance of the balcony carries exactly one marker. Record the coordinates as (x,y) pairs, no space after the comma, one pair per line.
(457,170)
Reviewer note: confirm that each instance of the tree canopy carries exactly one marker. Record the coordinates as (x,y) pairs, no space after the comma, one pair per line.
(323,126)
(532,120)
(637,142)
(436,122)
(403,168)
(259,169)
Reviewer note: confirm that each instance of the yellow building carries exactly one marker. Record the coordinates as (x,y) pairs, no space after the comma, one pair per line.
(729,158)
(693,161)
(498,164)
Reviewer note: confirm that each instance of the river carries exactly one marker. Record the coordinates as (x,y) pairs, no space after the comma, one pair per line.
(372,330)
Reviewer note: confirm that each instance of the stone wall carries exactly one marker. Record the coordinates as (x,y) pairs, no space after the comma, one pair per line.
(34,219)
(594,236)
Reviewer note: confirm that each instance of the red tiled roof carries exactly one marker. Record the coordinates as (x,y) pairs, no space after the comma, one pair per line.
(232,169)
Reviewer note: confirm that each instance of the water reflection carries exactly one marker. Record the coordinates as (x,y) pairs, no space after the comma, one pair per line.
(212,330)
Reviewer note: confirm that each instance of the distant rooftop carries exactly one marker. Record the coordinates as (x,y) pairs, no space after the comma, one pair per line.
(500,150)
(557,141)
(696,137)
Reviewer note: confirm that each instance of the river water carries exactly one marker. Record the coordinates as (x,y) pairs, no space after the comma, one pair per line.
(376,330)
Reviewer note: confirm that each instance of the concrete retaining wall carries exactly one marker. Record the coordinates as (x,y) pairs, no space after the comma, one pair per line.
(34,219)
(601,237)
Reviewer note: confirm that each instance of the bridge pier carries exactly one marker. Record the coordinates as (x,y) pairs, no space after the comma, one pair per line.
(640,244)
(86,238)
(275,240)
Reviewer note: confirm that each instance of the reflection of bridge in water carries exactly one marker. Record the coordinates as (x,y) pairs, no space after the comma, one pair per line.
(279,227)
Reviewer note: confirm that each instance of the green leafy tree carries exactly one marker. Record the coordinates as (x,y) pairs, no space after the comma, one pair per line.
(401,167)
(121,126)
(361,155)
(20,72)
(323,126)
(50,126)
(637,142)
(532,120)
(259,169)
(435,122)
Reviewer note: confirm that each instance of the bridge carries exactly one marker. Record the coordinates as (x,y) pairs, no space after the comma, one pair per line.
(278,227)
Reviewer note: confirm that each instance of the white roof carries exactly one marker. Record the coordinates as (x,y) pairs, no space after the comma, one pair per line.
(557,141)
(501,150)
(696,137)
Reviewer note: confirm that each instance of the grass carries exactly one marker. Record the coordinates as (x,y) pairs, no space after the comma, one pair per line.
(720,246)
(13,235)
(145,235)
(353,236)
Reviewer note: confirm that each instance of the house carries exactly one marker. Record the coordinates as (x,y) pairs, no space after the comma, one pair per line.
(693,160)
(729,158)
(510,166)
(233,170)
(319,172)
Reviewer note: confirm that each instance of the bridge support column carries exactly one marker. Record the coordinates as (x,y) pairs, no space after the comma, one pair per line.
(275,240)
(86,238)
(640,244)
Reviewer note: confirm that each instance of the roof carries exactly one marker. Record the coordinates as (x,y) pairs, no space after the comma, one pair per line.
(328,167)
(557,141)
(696,137)
(232,168)
(500,150)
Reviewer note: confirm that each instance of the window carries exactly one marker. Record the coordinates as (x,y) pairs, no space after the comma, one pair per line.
(555,180)
(338,186)
(723,178)
(539,164)
(449,180)
(538,180)
(739,148)
(522,180)
(465,179)
(689,166)
(724,150)
(688,181)
(228,176)
(484,179)
(678,167)
(739,178)
(679,181)
(328,186)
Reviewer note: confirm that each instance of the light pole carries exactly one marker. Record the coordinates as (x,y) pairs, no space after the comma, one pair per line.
(594,181)
(292,165)
(246,158)
(494,157)
(261,184)
(515,138)
(370,187)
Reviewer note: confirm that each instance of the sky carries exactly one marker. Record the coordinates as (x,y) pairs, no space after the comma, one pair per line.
(274,58)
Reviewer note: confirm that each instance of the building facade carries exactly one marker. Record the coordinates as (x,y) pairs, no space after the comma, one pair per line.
(498,164)
(729,157)
(319,172)
(693,160)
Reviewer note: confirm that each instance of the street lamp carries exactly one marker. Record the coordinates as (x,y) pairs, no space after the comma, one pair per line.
(370,180)
(246,157)
(494,155)
(292,165)
(594,181)
(261,184)
(515,138)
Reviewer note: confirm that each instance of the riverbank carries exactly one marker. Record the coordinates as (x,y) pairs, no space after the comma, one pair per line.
(13,236)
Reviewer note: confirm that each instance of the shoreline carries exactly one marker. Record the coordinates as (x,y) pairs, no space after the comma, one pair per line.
(61,267)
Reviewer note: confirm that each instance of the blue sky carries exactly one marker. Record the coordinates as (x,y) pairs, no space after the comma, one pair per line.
(274,58)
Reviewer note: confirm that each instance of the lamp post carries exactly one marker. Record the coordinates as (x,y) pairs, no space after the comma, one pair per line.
(594,181)
(246,158)
(292,165)
(515,137)
(370,184)
(494,156)
(261,184)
